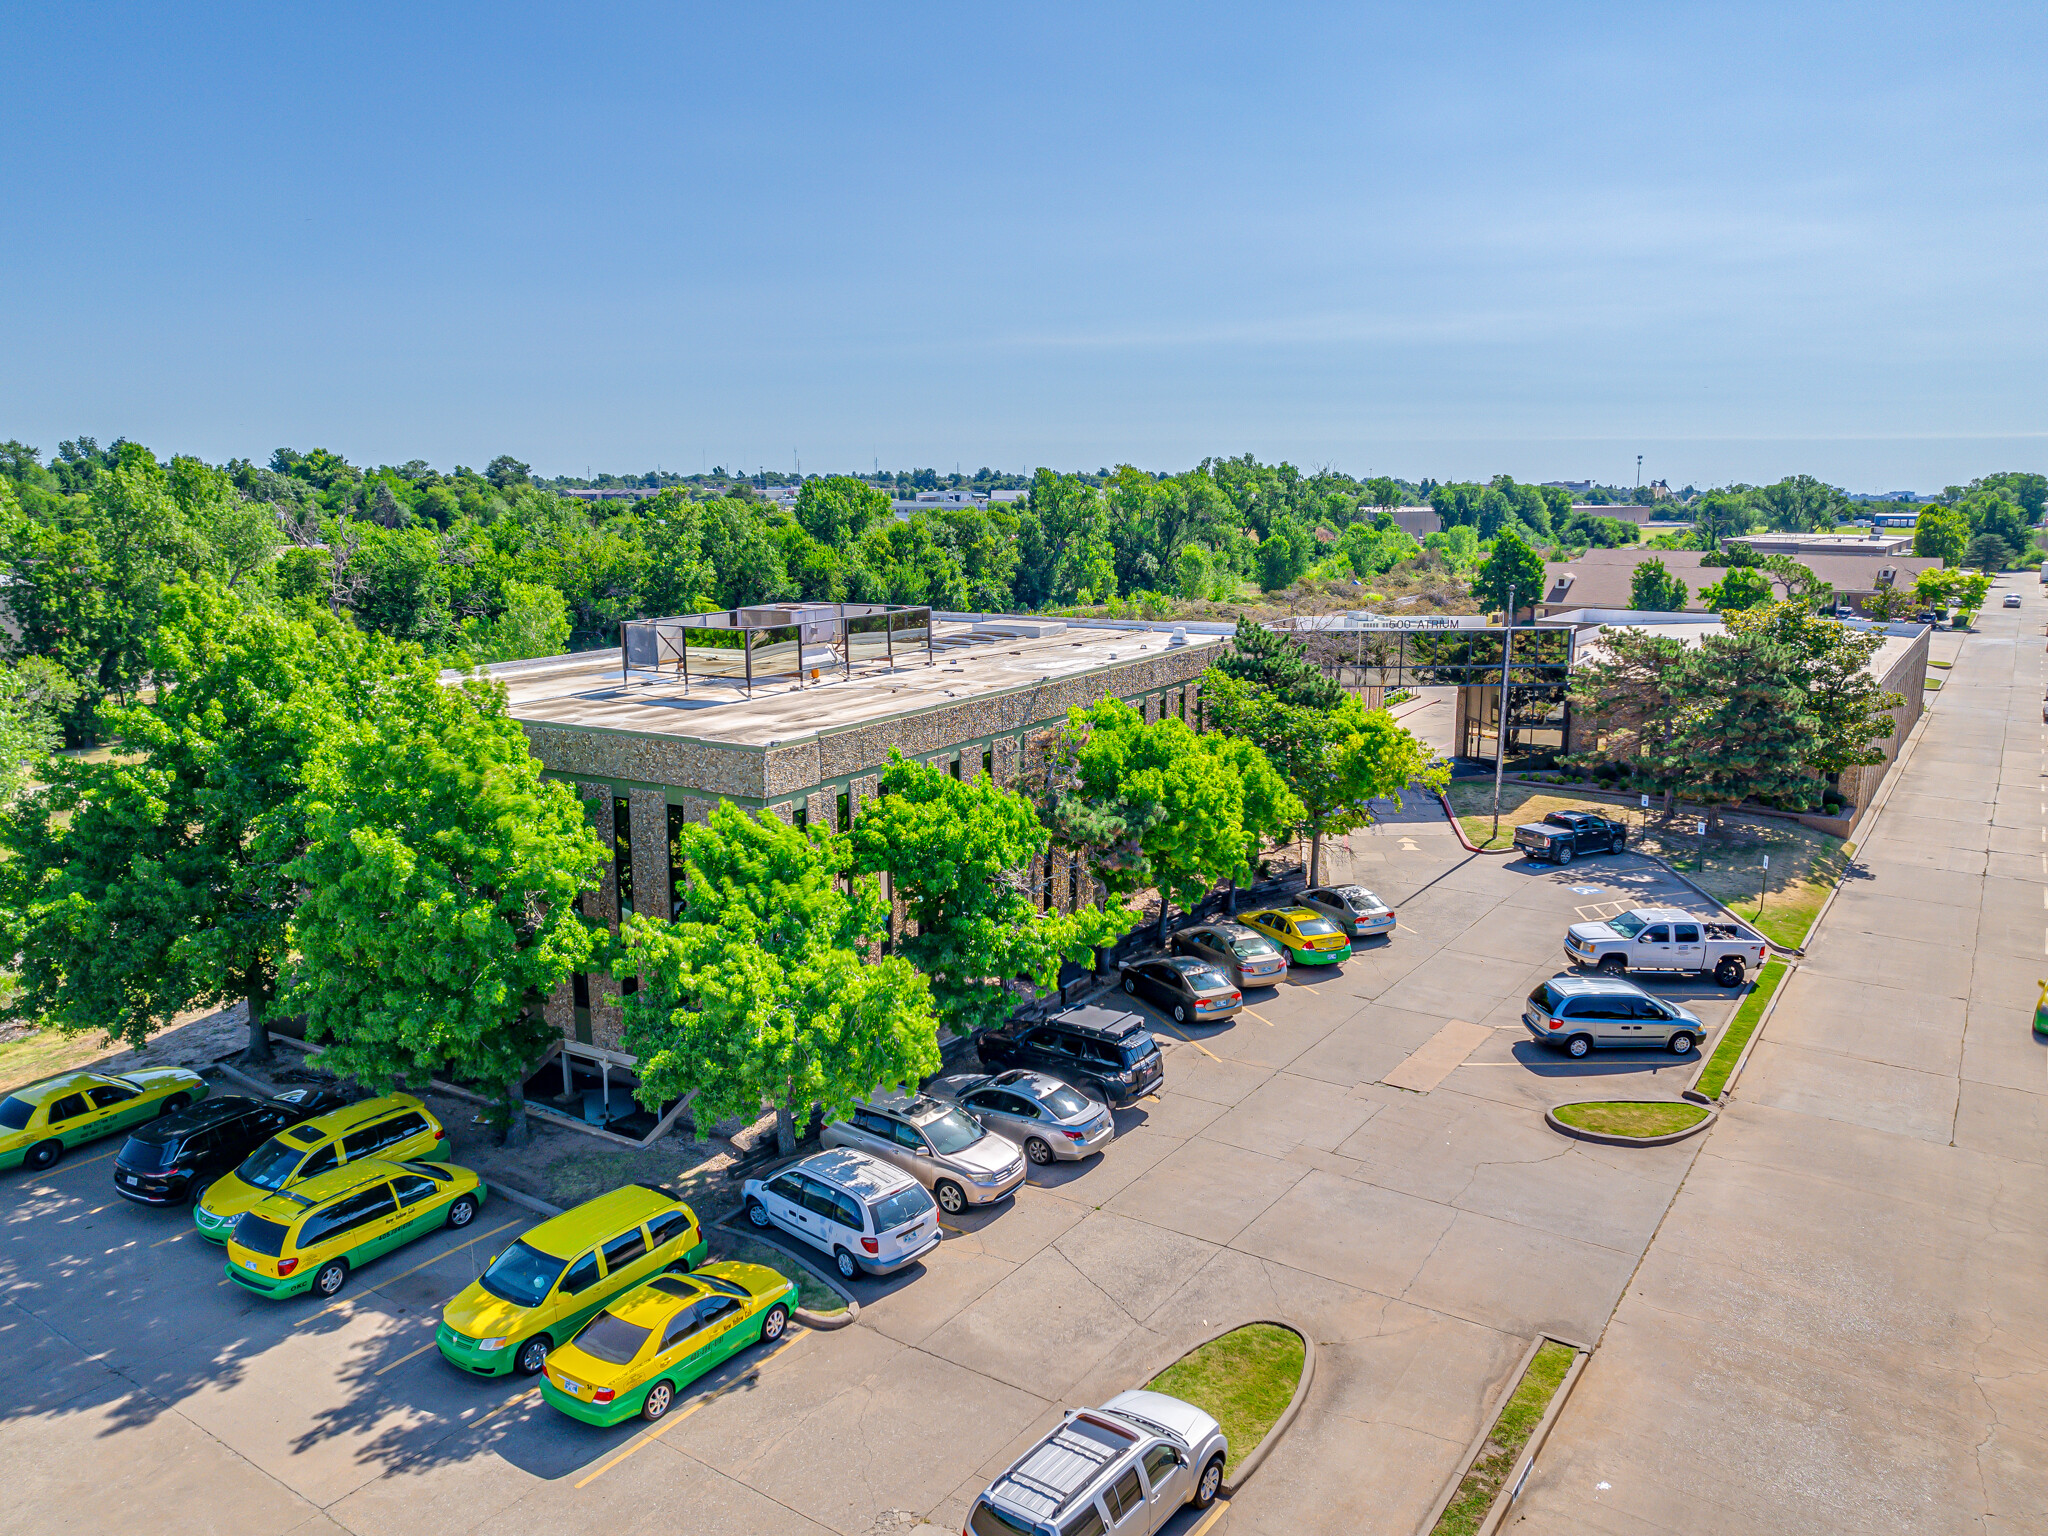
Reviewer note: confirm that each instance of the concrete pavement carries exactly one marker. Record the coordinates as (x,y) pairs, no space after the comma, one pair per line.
(1839,1325)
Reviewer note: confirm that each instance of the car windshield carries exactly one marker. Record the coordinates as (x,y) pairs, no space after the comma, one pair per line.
(1064,1101)
(1362,901)
(896,1210)
(15,1113)
(259,1234)
(147,1155)
(612,1338)
(954,1131)
(1203,978)
(1252,949)
(1627,927)
(1315,927)
(522,1275)
(270,1164)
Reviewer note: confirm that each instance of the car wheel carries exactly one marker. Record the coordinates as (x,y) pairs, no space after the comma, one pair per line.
(1131,985)
(1038,1151)
(757,1213)
(43,1154)
(1180,1014)
(532,1356)
(462,1212)
(172,1105)
(1613,965)
(1729,972)
(843,1262)
(1578,1046)
(1210,1484)
(951,1197)
(1564,856)
(1680,1043)
(773,1324)
(330,1277)
(659,1396)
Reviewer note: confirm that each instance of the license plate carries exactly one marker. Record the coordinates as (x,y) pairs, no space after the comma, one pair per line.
(130,1180)
(571,1386)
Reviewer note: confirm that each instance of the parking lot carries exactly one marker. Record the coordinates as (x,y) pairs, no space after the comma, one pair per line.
(1422,1235)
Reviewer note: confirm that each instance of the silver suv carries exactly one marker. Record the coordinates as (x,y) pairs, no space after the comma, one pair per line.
(1586,1013)
(868,1216)
(943,1147)
(1126,1467)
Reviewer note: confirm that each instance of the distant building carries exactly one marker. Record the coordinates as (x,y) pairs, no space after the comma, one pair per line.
(1801,544)
(609,493)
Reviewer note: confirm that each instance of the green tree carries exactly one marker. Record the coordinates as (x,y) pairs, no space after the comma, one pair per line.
(1800,504)
(1831,662)
(1941,532)
(34,694)
(1626,698)
(1269,659)
(1513,564)
(838,509)
(1745,729)
(769,987)
(1654,589)
(956,854)
(534,622)
(1742,587)
(441,878)
(1988,552)
(158,882)
(1799,581)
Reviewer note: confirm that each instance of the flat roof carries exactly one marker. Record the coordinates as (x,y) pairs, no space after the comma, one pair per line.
(585,690)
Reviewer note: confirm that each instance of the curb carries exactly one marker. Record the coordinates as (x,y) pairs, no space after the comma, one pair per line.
(1281,1425)
(1735,1072)
(1580,1133)
(823,1322)
(1511,1490)
(1458,828)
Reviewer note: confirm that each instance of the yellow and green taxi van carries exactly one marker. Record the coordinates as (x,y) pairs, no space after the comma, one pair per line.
(639,1352)
(392,1127)
(40,1121)
(538,1292)
(311,1236)
(1308,937)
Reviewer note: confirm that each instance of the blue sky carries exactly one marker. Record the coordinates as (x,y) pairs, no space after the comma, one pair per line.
(1447,240)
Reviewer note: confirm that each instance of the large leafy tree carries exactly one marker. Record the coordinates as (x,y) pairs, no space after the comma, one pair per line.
(157,882)
(1941,532)
(1745,730)
(34,693)
(1653,589)
(1851,710)
(769,987)
(441,878)
(1743,587)
(1513,565)
(956,854)
(1626,699)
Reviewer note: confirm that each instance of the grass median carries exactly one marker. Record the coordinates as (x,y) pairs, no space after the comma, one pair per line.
(1511,1431)
(1739,1029)
(1624,1117)
(1243,1381)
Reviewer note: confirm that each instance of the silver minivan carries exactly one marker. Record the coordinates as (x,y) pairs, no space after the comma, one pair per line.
(1586,1013)
(871,1218)
(943,1147)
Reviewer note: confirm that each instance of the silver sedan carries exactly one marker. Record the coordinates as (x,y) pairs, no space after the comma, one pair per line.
(1053,1121)
(1353,908)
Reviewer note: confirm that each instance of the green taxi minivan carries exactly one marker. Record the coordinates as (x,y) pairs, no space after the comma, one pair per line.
(393,1127)
(311,1236)
(538,1292)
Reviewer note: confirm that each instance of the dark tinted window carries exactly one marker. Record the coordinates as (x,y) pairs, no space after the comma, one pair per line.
(867,1120)
(848,1211)
(405,1125)
(107,1095)
(820,1201)
(900,1209)
(1135,1049)
(582,1274)
(259,1234)
(1087,1523)
(347,1215)
(411,1186)
(146,1155)
(715,1309)
(611,1338)
(1159,1464)
(905,1136)
(1658,935)
(986,1521)
(522,1275)
(270,1165)
(789,1187)
(624,1249)
(70,1107)
(15,1114)
(669,1224)
(1687,934)
(1650,1008)
(1544,998)
(679,1328)
(1122,1496)
(320,1162)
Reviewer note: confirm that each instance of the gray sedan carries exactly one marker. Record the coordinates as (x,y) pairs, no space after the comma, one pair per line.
(1353,908)
(1053,1121)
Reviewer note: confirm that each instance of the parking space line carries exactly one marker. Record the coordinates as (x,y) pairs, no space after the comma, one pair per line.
(511,1402)
(1190,1040)
(87,1163)
(394,1365)
(1207,1523)
(1261,1018)
(384,1280)
(179,1238)
(675,1418)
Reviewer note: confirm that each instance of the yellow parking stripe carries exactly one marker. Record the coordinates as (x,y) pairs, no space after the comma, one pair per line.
(385,1280)
(178,1239)
(510,1402)
(676,1418)
(394,1365)
(87,1163)
(1190,1039)
(1207,1523)
(1260,1017)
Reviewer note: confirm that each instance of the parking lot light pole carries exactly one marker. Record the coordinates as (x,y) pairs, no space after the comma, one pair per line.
(1500,727)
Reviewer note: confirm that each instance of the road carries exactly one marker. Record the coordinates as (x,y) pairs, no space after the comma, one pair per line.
(1421,1236)
(1839,1327)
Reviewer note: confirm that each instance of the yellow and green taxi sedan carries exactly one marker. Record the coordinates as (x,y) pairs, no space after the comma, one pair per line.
(539,1291)
(392,1127)
(312,1236)
(635,1355)
(38,1122)
(1308,937)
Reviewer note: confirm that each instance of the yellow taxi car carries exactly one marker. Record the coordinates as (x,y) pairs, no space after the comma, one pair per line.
(538,1292)
(309,1237)
(639,1352)
(40,1121)
(392,1127)
(1308,937)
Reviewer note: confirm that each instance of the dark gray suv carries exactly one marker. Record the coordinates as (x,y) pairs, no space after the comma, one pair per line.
(1108,1053)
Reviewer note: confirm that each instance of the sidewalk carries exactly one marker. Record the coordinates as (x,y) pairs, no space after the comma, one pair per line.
(1838,1326)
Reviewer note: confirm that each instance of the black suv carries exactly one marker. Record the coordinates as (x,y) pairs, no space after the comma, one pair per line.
(170,1161)
(1110,1054)
(1562,835)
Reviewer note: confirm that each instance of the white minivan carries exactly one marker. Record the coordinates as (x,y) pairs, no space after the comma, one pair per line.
(868,1217)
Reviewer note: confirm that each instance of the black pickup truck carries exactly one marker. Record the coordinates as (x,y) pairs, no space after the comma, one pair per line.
(1562,836)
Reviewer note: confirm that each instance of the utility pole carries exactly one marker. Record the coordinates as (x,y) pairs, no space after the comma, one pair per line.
(1500,729)
(1639,471)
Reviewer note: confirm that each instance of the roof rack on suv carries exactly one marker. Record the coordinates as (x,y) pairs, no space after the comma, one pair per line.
(1063,1466)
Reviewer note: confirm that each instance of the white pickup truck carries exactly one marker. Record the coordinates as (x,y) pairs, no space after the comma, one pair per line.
(1666,939)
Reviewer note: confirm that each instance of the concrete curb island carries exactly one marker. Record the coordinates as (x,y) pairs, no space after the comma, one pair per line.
(1281,1425)
(1607,1139)
(823,1322)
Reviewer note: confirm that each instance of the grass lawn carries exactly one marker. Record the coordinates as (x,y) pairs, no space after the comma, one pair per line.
(1472,799)
(1739,1029)
(1511,1432)
(48,1051)
(1621,1118)
(1242,1380)
(813,1294)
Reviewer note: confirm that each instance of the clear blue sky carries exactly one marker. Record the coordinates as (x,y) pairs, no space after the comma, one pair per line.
(1441,240)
